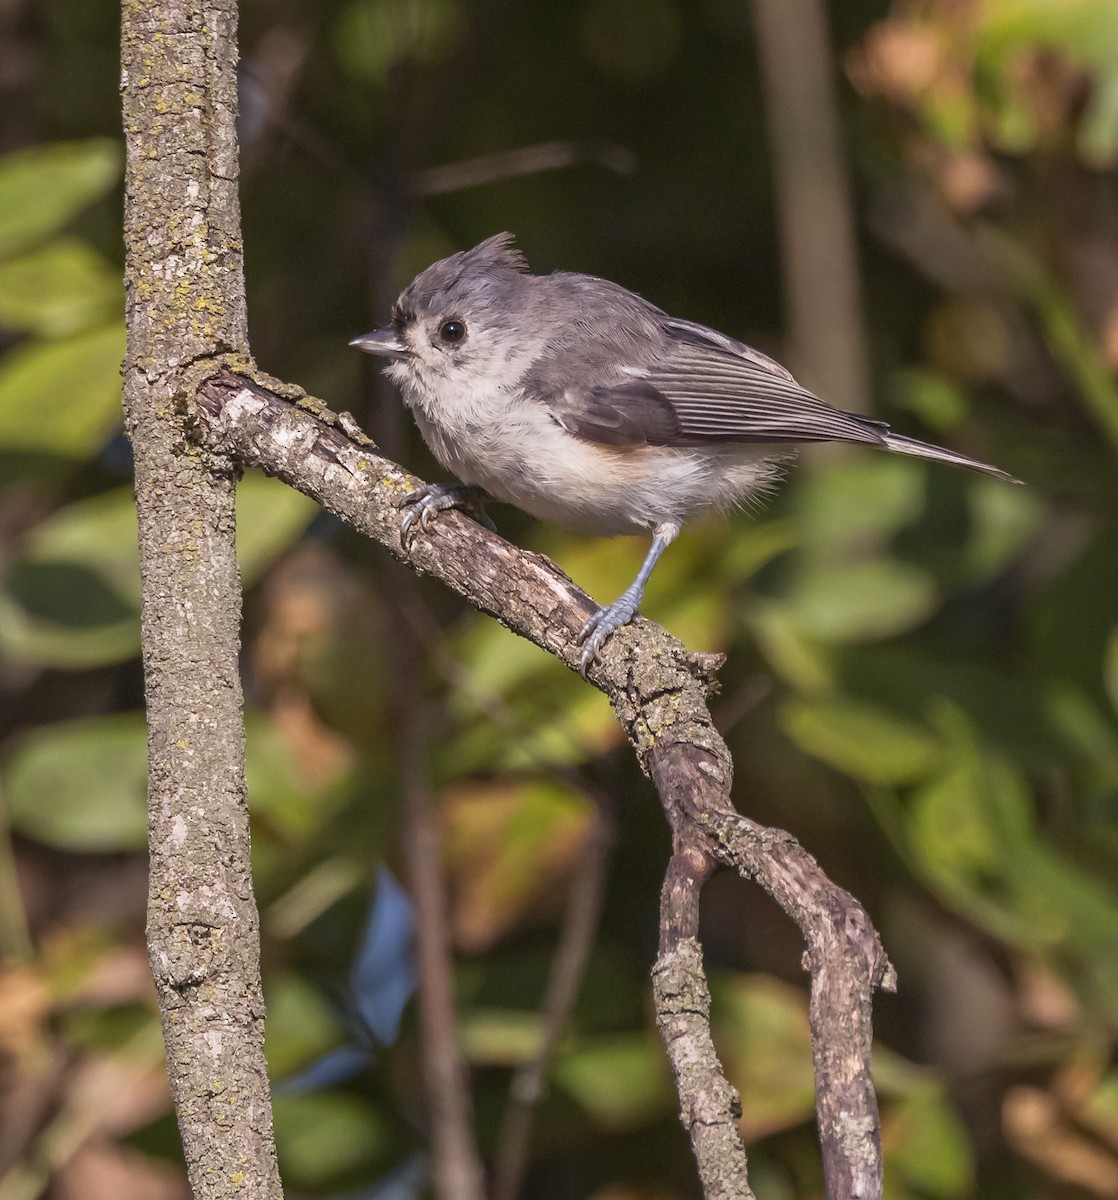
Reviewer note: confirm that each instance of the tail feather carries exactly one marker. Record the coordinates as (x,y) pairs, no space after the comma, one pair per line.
(906,445)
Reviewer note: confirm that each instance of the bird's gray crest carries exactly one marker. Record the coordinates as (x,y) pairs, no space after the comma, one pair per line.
(498,251)
(468,275)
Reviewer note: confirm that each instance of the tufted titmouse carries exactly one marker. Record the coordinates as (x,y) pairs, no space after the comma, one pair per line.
(583,404)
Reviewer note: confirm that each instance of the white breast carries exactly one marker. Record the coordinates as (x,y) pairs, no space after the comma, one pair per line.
(513,448)
(530,461)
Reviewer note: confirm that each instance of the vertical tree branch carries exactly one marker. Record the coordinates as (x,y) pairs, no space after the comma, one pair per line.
(844,955)
(822,294)
(576,942)
(185,304)
(709,1105)
(457,1166)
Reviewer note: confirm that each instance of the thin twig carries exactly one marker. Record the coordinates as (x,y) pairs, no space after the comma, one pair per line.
(585,897)
(709,1105)
(456,1165)
(844,955)
(15,934)
(581,917)
(527,160)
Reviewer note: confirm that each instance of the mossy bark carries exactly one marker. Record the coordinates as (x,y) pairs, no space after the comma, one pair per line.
(186,306)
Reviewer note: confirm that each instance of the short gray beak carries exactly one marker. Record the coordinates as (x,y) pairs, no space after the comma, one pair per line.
(384,341)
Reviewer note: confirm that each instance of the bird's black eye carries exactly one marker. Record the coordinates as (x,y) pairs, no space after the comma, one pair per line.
(452,332)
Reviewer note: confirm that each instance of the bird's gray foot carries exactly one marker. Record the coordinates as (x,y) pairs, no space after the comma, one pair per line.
(603,624)
(426,502)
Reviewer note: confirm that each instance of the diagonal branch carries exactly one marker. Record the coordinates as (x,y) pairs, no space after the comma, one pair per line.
(659,691)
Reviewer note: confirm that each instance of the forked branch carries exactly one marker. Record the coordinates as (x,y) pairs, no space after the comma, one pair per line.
(659,691)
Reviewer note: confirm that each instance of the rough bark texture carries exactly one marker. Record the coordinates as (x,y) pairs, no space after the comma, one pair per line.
(844,955)
(185,303)
(709,1105)
(659,691)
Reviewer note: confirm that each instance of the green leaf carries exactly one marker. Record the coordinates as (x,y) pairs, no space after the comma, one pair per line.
(508,847)
(45,186)
(59,289)
(1086,29)
(302,1025)
(861,740)
(1098,132)
(62,398)
(1101,1109)
(501,1037)
(902,678)
(1071,342)
(370,39)
(974,836)
(71,597)
(499,662)
(621,1080)
(64,615)
(926,1144)
(1071,619)
(559,720)
(858,601)
(81,785)
(293,809)
(951,826)
(861,500)
(100,532)
(270,518)
(1110,668)
(699,617)
(797,657)
(513,980)
(966,827)
(931,396)
(748,548)
(1059,901)
(1090,731)
(312,894)
(761,1031)
(323,1136)
(1003,519)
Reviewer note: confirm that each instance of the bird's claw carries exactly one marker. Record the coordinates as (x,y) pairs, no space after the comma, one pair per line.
(601,627)
(425,503)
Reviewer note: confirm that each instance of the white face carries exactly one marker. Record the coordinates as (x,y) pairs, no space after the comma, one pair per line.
(458,362)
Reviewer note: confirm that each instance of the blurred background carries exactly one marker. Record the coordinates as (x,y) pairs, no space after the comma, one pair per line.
(911,204)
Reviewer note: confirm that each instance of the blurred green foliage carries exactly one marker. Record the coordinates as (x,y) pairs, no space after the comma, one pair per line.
(922,674)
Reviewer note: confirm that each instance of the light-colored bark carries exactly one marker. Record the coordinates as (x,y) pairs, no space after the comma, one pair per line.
(659,691)
(185,305)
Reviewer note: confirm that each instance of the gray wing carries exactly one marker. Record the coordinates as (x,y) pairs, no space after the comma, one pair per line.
(702,387)
(708,388)
(630,414)
(732,393)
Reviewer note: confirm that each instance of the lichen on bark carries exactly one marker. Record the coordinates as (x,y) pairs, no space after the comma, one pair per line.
(185,305)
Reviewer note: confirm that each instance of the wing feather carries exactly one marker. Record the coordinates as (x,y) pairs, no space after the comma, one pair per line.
(721,396)
(629,415)
(652,380)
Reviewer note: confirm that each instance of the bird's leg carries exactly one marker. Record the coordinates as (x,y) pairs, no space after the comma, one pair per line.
(431,499)
(611,617)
